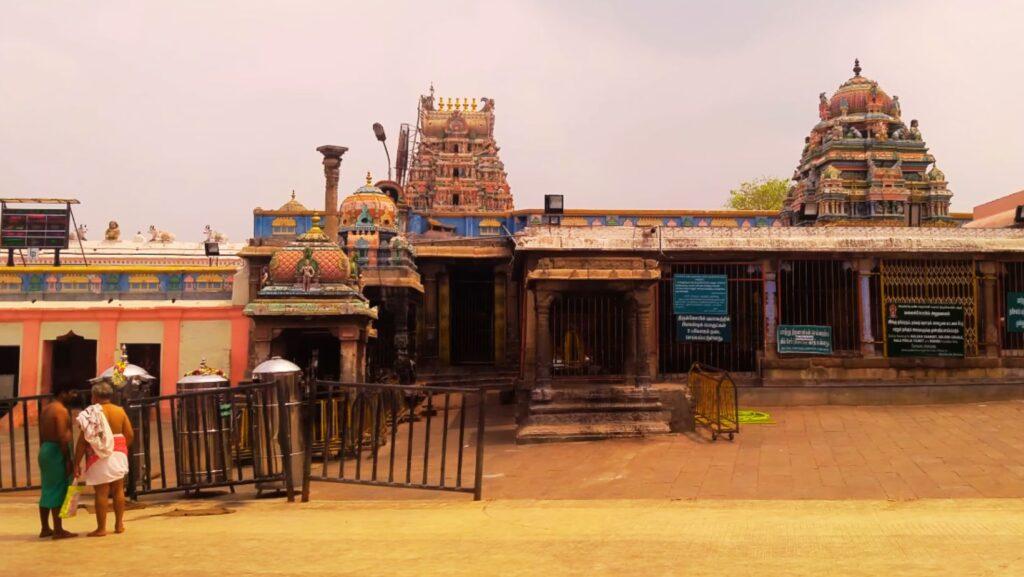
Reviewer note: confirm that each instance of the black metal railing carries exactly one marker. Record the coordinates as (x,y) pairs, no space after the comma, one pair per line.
(19,442)
(715,402)
(421,437)
(214,438)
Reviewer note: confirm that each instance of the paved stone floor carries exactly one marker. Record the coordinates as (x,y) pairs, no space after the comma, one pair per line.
(819,452)
(956,538)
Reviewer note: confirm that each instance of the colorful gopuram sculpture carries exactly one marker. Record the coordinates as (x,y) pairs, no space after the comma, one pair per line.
(863,165)
(455,167)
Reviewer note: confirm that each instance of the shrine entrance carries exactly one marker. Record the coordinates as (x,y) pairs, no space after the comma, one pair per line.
(472,315)
(588,334)
(145,355)
(316,351)
(72,363)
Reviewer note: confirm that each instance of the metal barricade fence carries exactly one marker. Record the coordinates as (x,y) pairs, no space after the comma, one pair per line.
(19,442)
(421,437)
(212,438)
(716,404)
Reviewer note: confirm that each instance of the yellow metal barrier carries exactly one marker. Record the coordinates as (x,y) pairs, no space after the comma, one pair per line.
(716,405)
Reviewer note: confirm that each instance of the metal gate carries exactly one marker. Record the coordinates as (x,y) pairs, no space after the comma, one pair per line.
(588,334)
(418,437)
(19,442)
(951,282)
(746,311)
(821,292)
(1011,279)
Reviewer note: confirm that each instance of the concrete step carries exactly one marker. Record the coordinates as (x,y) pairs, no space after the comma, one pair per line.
(602,394)
(589,432)
(580,406)
(594,418)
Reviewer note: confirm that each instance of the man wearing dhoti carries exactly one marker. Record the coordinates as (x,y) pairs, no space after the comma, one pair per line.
(106,436)
(55,463)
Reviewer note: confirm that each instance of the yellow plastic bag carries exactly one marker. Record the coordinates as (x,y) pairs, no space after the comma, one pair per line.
(70,507)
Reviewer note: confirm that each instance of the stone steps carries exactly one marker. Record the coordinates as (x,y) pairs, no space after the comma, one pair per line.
(548,433)
(577,413)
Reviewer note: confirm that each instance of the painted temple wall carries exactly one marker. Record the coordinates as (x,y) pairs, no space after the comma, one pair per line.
(205,339)
(10,334)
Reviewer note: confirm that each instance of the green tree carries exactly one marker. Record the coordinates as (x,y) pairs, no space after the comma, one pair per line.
(760,194)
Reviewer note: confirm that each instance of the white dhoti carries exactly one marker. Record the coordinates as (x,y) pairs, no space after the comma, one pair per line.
(110,468)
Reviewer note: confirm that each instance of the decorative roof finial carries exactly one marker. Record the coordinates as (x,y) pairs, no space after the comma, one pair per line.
(293,194)
(856,66)
(369,179)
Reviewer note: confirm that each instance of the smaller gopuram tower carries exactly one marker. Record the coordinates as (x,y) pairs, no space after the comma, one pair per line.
(455,166)
(863,165)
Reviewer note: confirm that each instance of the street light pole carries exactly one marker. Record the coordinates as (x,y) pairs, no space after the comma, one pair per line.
(378,131)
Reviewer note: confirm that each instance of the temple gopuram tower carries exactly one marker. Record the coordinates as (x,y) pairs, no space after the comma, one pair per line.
(455,167)
(863,165)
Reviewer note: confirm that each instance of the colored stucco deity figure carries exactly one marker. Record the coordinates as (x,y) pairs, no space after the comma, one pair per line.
(895,106)
(914,133)
(307,270)
(822,106)
(113,232)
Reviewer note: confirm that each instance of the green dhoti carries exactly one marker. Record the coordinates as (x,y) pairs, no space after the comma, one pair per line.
(54,471)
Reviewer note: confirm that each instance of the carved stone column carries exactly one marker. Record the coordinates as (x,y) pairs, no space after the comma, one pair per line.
(542,311)
(444,319)
(771,309)
(647,346)
(988,344)
(332,172)
(351,371)
(632,360)
(500,317)
(865,267)
(429,342)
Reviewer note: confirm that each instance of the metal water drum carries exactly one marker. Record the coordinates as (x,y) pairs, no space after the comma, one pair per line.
(204,430)
(268,421)
(138,384)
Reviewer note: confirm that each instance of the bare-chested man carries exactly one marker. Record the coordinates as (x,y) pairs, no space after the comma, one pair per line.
(55,462)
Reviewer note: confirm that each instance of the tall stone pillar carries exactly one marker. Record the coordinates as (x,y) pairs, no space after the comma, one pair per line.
(542,312)
(428,343)
(865,267)
(351,359)
(632,360)
(647,340)
(444,319)
(500,313)
(771,308)
(332,172)
(988,344)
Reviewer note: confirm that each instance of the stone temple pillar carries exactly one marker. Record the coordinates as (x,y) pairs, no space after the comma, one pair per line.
(771,289)
(865,267)
(332,172)
(542,311)
(646,342)
(988,344)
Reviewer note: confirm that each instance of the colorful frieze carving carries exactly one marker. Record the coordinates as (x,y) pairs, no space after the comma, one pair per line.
(77,285)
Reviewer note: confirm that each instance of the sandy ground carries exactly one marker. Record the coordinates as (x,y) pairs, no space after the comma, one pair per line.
(966,537)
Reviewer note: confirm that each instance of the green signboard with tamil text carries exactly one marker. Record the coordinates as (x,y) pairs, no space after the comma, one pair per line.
(1015,312)
(701,305)
(804,339)
(924,330)
(700,294)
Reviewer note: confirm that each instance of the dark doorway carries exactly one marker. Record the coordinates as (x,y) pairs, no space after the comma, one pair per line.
(472,315)
(146,356)
(72,363)
(588,334)
(316,351)
(10,361)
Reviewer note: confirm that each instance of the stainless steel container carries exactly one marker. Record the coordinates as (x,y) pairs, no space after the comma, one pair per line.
(204,430)
(288,376)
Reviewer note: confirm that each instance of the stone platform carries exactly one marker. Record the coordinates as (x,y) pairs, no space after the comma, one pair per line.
(589,412)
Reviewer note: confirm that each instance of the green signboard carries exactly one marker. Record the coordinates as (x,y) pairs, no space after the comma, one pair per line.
(804,339)
(1015,312)
(704,328)
(924,330)
(700,294)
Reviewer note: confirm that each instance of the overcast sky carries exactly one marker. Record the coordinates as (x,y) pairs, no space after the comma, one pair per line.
(185,113)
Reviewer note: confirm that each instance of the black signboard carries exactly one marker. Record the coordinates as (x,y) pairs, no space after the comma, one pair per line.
(34,228)
(924,330)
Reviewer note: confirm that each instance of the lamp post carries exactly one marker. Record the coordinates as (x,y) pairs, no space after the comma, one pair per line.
(378,131)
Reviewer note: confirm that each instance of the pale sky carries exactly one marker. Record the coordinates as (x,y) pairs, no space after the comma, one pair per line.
(185,113)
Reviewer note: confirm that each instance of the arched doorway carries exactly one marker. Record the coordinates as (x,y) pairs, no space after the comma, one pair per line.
(72,363)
